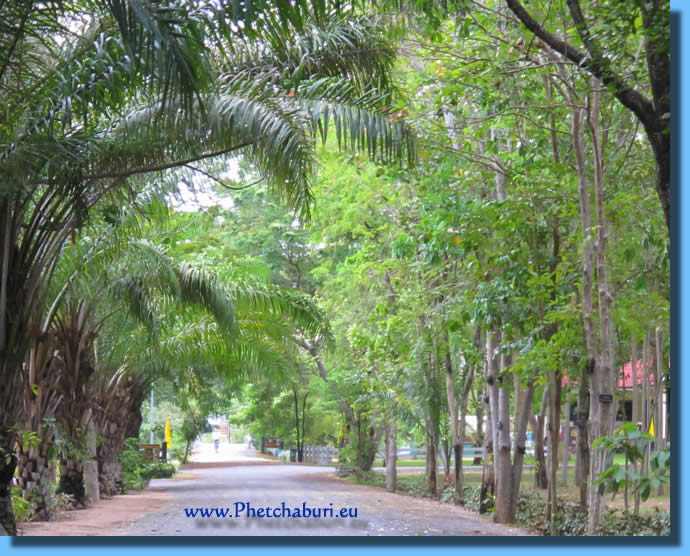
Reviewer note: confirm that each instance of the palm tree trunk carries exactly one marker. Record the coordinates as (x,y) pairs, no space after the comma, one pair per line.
(34,477)
(72,481)
(8,526)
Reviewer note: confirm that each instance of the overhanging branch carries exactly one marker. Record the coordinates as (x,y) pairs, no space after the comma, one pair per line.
(640,105)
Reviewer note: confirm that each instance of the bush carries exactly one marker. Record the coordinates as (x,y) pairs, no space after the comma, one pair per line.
(157,470)
(133,481)
(131,457)
(572,521)
(22,508)
(136,473)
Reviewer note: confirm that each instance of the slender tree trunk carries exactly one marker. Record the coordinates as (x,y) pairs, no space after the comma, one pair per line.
(602,422)
(635,381)
(566,440)
(519,449)
(453,417)
(432,445)
(488,483)
(502,453)
(659,392)
(554,424)
(300,452)
(492,387)
(540,478)
(460,445)
(392,456)
(646,357)
(587,397)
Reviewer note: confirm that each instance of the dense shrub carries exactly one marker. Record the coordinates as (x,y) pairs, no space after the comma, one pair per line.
(572,521)
(157,470)
(136,472)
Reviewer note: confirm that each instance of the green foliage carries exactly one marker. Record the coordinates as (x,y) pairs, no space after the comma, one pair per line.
(571,520)
(660,467)
(131,457)
(631,442)
(158,470)
(136,472)
(21,507)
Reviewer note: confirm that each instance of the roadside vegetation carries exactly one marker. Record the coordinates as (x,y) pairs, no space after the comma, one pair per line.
(363,225)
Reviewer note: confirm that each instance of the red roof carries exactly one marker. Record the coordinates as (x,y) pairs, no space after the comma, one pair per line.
(625,379)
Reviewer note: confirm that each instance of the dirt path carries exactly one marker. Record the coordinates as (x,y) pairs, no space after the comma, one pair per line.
(256,483)
(104,517)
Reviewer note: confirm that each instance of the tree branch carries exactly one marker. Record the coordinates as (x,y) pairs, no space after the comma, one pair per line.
(640,105)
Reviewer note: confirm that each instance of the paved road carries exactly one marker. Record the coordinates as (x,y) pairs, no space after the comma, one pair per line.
(236,477)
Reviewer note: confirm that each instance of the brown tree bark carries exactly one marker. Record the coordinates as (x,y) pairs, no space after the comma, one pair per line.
(392,456)
(8,525)
(38,407)
(540,478)
(601,411)
(554,425)
(502,451)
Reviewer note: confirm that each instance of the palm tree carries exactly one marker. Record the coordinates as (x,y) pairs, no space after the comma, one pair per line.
(237,330)
(100,93)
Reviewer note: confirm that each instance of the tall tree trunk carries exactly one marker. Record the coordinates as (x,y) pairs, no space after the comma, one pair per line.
(566,440)
(635,382)
(522,420)
(659,393)
(540,478)
(432,445)
(492,387)
(392,456)
(488,477)
(589,380)
(646,410)
(502,452)
(459,447)
(554,425)
(602,418)
(489,469)
(453,417)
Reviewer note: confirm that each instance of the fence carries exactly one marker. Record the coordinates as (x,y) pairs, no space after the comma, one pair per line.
(322,455)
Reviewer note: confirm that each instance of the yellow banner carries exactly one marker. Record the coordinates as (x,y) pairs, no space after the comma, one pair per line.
(651,427)
(168,435)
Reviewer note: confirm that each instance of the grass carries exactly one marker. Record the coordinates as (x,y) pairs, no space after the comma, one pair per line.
(421,462)
(529,460)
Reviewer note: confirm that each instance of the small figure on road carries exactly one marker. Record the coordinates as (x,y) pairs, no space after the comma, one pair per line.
(248,440)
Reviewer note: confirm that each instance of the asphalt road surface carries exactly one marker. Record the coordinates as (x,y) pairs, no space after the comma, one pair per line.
(236,480)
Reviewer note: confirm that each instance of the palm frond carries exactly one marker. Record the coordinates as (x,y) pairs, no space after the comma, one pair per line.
(199,288)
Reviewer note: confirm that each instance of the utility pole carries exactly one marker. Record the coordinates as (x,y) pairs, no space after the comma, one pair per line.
(151,419)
